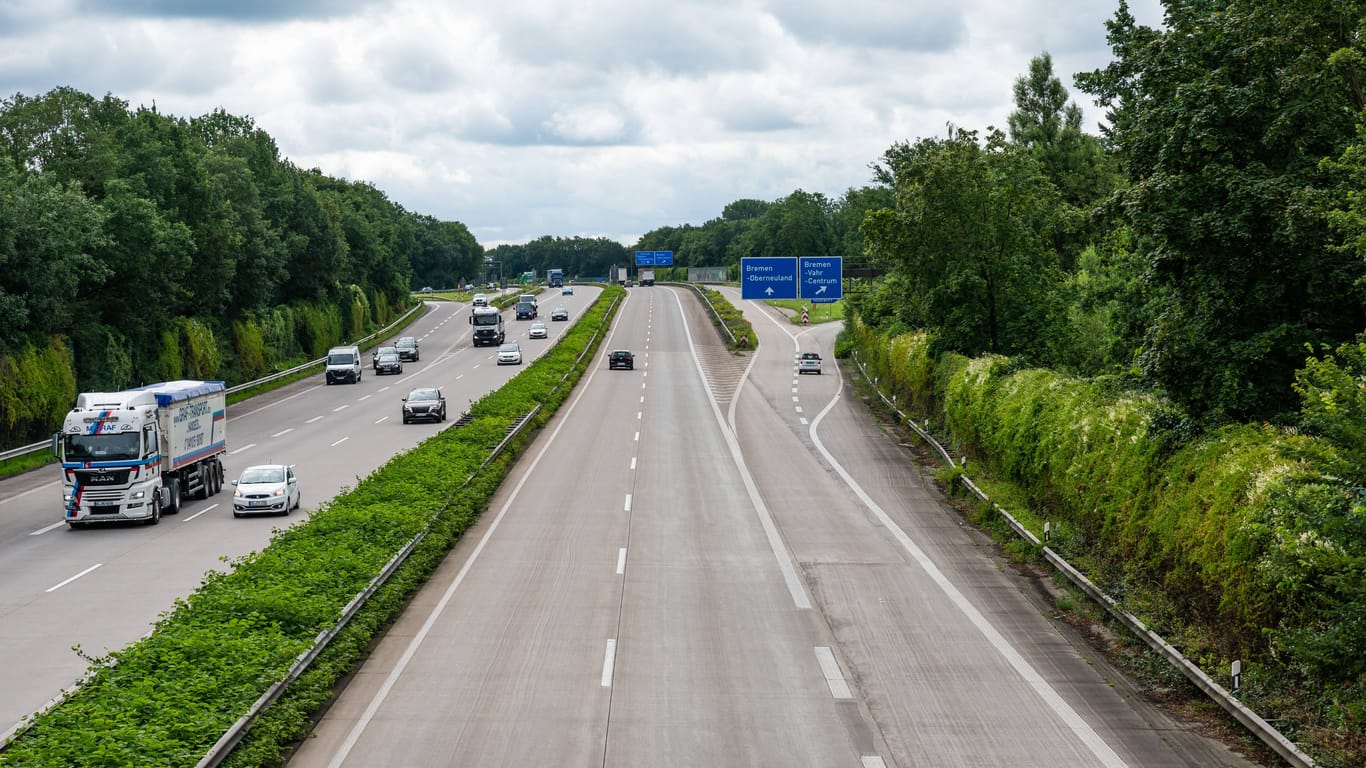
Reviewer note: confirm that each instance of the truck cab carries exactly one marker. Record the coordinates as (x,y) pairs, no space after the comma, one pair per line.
(488,325)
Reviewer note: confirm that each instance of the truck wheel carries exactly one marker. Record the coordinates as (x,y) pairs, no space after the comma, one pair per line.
(156,509)
(174,507)
(203,473)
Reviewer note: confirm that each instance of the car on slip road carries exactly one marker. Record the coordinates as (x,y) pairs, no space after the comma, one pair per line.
(809,362)
(621,358)
(424,404)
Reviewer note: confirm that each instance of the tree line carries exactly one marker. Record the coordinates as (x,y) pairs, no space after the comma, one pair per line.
(137,246)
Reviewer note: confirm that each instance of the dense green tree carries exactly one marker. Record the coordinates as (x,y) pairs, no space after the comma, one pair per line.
(1222,121)
(969,235)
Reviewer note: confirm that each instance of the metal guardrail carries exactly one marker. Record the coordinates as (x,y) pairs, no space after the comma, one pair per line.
(35,447)
(238,730)
(1255,723)
(716,316)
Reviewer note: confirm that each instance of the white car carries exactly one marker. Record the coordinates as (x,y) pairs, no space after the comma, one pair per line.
(265,489)
(538,331)
(510,354)
(480,300)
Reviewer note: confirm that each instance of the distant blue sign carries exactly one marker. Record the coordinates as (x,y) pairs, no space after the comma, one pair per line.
(822,278)
(768,278)
(654,258)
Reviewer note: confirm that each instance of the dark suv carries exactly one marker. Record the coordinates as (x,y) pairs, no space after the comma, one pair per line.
(407,348)
(526,310)
(621,358)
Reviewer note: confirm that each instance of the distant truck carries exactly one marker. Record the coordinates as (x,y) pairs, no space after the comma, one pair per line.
(555,278)
(647,277)
(622,276)
(131,455)
(488,325)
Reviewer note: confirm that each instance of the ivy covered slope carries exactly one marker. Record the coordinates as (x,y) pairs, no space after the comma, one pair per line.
(1243,542)
(166,699)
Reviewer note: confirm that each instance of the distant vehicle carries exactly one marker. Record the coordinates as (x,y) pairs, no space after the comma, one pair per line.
(529,297)
(266,488)
(555,277)
(488,326)
(407,348)
(131,455)
(374,356)
(568,290)
(538,331)
(469,286)
(510,354)
(343,364)
(621,358)
(424,403)
(627,283)
(526,310)
(389,362)
(647,277)
(622,274)
(480,300)
(559,313)
(426,289)
(491,286)
(809,362)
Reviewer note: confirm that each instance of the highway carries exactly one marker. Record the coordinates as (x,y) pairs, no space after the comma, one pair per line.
(710,560)
(102,588)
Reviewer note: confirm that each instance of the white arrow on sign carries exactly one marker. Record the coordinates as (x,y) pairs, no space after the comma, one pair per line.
(769,291)
(821,290)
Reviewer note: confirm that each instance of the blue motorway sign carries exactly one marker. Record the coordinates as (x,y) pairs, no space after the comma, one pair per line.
(768,278)
(654,258)
(822,278)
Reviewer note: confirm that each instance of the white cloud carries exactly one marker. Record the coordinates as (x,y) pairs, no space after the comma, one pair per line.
(601,117)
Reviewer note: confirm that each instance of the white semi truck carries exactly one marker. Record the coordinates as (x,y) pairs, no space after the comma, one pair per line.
(647,276)
(131,455)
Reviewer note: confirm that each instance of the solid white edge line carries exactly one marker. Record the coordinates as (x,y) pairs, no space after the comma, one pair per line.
(775,540)
(236,451)
(1045,691)
(200,512)
(378,700)
(609,660)
(73,578)
(52,527)
(834,678)
(621,561)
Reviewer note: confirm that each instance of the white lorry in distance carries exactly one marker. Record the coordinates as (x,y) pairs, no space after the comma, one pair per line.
(647,277)
(131,455)
(623,276)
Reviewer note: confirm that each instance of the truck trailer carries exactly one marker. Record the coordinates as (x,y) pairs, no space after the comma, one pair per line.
(131,455)
(647,276)
(622,275)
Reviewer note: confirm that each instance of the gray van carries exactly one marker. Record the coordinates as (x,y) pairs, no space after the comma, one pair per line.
(343,364)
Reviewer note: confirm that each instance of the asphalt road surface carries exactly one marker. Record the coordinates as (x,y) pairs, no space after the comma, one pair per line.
(102,588)
(713,561)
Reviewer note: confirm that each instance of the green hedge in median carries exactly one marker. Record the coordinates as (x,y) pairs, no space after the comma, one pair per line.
(166,699)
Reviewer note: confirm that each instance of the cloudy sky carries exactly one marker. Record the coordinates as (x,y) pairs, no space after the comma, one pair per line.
(590,118)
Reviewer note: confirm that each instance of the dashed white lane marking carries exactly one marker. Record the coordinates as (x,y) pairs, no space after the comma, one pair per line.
(609,660)
(339,442)
(833,676)
(52,527)
(633,463)
(367,397)
(804,421)
(381,419)
(236,451)
(638,414)
(621,561)
(73,578)
(315,418)
(796,399)
(637,437)
(340,408)
(628,503)
(200,512)
(873,761)
(283,432)
(799,409)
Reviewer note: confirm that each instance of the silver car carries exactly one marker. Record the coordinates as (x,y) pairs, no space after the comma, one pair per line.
(510,354)
(265,489)
(538,331)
